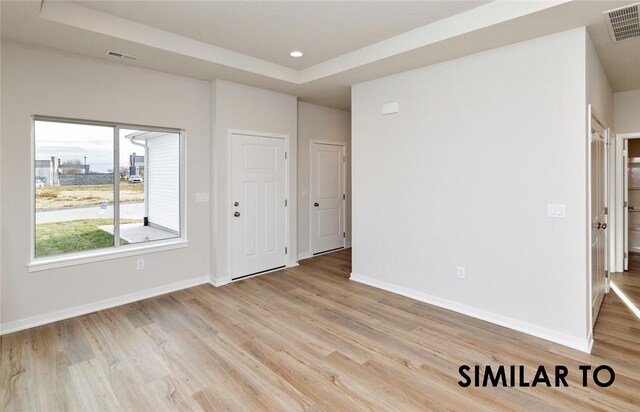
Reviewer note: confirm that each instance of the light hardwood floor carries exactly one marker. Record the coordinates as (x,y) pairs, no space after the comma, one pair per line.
(305,338)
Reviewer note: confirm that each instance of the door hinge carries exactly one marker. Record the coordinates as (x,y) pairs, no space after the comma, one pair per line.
(344,196)
(285,202)
(344,234)
(626,204)
(625,255)
(344,158)
(286,251)
(285,155)
(606,210)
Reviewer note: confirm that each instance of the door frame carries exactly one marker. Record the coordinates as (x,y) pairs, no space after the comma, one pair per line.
(229,208)
(591,115)
(619,247)
(313,142)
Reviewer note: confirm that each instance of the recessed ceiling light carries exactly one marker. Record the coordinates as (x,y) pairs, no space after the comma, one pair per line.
(295,53)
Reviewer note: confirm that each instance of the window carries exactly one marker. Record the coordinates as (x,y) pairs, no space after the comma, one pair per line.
(100,186)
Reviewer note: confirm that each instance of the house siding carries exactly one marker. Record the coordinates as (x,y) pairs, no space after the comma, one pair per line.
(163,180)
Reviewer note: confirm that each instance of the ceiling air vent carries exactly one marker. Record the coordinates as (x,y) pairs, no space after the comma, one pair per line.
(624,23)
(120,55)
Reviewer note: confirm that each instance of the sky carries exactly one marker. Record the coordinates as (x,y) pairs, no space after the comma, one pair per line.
(70,141)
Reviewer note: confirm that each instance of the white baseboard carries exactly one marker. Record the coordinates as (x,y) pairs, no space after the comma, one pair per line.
(305,255)
(590,340)
(220,282)
(39,320)
(583,345)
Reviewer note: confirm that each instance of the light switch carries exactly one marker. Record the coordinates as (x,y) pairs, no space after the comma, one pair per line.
(556,210)
(390,108)
(202,197)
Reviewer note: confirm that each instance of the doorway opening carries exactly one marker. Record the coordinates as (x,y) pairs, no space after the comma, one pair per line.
(631,204)
(622,306)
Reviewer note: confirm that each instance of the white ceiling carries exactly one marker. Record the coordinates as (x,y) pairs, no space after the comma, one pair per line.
(270,30)
(344,42)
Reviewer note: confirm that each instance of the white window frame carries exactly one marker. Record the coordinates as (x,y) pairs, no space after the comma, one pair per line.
(117,250)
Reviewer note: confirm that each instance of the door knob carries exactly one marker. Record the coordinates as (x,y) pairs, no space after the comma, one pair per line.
(316,204)
(237,214)
(604,226)
(630,207)
(236,204)
(599,225)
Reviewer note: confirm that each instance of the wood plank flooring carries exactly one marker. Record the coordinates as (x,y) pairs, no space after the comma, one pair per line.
(304,338)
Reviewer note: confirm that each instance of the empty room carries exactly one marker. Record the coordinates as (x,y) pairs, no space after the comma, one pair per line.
(319,205)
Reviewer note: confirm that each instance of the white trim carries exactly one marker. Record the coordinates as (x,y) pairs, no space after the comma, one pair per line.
(305,255)
(98,255)
(313,142)
(590,117)
(117,241)
(590,342)
(220,282)
(32,192)
(287,189)
(582,345)
(39,320)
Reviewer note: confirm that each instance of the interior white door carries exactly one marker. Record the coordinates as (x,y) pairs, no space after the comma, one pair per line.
(598,217)
(258,228)
(625,194)
(327,197)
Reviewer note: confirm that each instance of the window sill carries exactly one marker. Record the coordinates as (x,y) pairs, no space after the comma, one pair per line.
(49,263)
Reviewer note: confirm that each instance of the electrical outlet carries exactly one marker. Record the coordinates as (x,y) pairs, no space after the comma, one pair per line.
(461,272)
(140,264)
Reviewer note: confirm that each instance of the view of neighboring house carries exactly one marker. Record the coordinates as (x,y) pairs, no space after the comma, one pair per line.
(136,165)
(44,171)
(50,173)
(162,183)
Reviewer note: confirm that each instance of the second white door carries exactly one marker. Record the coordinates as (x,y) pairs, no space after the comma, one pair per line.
(258,210)
(327,197)
(598,217)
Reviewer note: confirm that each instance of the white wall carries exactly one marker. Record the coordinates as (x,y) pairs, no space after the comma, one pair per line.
(599,93)
(627,111)
(319,123)
(54,83)
(240,107)
(462,176)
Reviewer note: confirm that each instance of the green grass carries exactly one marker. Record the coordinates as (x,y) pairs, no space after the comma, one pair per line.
(74,236)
